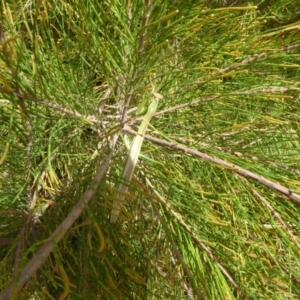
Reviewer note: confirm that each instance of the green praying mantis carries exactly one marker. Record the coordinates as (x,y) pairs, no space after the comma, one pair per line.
(134,153)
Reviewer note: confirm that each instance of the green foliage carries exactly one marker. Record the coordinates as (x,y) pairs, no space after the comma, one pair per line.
(222,223)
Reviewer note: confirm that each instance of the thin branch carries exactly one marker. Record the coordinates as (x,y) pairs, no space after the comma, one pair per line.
(135,72)
(276,215)
(145,22)
(186,287)
(232,167)
(235,66)
(290,47)
(267,91)
(236,153)
(40,257)
(175,248)
(247,61)
(6,241)
(10,212)
(191,103)
(67,111)
(31,201)
(271,90)
(207,249)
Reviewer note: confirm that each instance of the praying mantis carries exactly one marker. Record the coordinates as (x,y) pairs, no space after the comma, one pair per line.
(133,154)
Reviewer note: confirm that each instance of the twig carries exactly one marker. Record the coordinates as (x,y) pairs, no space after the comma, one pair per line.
(232,167)
(40,257)
(276,215)
(6,241)
(197,240)
(135,72)
(234,66)
(10,212)
(270,90)
(192,103)
(267,91)
(290,47)
(247,61)
(175,248)
(236,153)
(67,111)
(31,201)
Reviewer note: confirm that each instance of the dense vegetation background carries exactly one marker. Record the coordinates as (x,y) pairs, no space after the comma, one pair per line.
(213,208)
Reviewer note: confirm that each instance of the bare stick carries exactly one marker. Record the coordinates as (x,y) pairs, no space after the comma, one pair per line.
(135,73)
(232,167)
(277,216)
(270,90)
(207,249)
(40,257)
(31,201)
(176,250)
(248,61)
(67,111)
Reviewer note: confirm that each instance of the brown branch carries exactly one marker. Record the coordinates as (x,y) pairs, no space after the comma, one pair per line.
(236,153)
(247,92)
(40,257)
(232,167)
(192,103)
(20,243)
(67,111)
(144,27)
(29,146)
(176,250)
(6,241)
(276,215)
(10,212)
(266,91)
(246,61)
(207,249)
(235,66)
(290,47)
(135,72)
